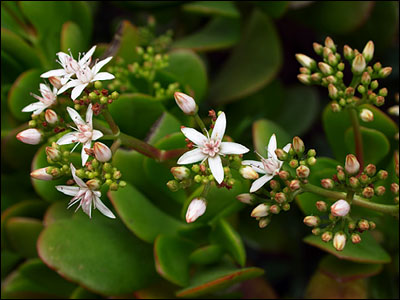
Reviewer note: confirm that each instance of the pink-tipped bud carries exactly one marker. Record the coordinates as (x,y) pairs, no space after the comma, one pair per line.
(284,175)
(368,192)
(383,174)
(385,72)
(339,241)
(303,172)
(280,197)
(333,91)
(53,153)
(306,61)
(370,170)
(340,208)
(348,52)
(330,43)
(366,115)
(30,136)
(264,222)
(321,206)
(352,166)
(368,51)
(248,173)
(196,209)
(294,185)
(326,236)
(327,183)
(94,184)
(394,187)
(318,48)
(185,103)
(180,173)
(246,198)
(304,78)
(56,82)
(102,152)
(325,68)
(298,145)
(359,64)
(311,221)
(260,210)
(363,225)
(51,116)
(274,209)
(354,182)
(355,238)
(41,174)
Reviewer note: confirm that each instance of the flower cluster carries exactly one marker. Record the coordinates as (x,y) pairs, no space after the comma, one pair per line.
(329,73)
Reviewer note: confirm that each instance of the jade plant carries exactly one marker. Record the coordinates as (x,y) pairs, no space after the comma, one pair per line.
(141,188)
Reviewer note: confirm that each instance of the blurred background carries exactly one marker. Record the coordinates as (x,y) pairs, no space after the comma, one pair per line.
(236,56)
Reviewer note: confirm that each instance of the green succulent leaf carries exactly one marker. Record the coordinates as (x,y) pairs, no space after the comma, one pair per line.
(206,255)
(213,8)
(72,39)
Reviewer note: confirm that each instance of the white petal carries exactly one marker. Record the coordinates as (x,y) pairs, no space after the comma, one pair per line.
(256,165)
(219,127)
(287,147)
(101,64)
(34,106)
(232,148)
(78,197)
(57,72)
(191,156)
(260,182)
(84,155)
(87,56)
(72,83)
(75,116)
(77,91)
(195,136)
(103,76)
(103,209)
(96,134)
(44,89)
(66,139)
(89,115)
(86,203)
(78,181)
(216,168)
(62,57)
(272,146)
(68,190)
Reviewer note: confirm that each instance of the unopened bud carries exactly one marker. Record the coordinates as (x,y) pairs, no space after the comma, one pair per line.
(93,184)
(316,77)
(366,115)
(173,185)
(280,197)
(335,107)
(325,68)
(311,221)
(185,103)
(326,236)
(303,172)
(56,82)
(394,187)
(197,208)
(30,136)
(366,78)
(102,152)
(363,225)
(383,92)
(380,190)
(364,179)
(330,44)
(340,175)
(333,92)
(333,61)
(282,155)
(53,153)
(372,225)
(180,173)
(370,170)
(382,174)
(316,231)
(275,185)
(327,183)
(294,185)
(263,222)
(305,61)
(321,206)
(355,238)
(274,209)
(368,192)
(354,182)
(326,52)
(340,208)
(318,48)
(50,116)
(368,51)
(359,64)
(41,174)
(248,173)
(298,145)
(246,198)
(348,52)
(352,166)
(385,72)
(284,175)
(304,78)
(260,210)
(339,241)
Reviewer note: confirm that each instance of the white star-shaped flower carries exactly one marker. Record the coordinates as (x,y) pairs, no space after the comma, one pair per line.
(269,166)
(85,195)
(84,134)
(86,75)
(49,97)
(210,148)
(69,65)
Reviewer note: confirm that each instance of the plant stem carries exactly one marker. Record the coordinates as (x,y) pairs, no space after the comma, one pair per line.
(201,124)
(357,137)
(357,200)
(114,127)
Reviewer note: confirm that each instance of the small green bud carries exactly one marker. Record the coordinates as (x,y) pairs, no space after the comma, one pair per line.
(198,178)
(98,85)
(294,163)
(374,84)
(32,123)
(382,174)
(114,186)
(93,96)
(311,153)
(311,161)
(107,167)
(114,95)
(122,183)
(196,168)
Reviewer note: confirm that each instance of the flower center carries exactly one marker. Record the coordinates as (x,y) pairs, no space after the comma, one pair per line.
(48,98)
(84,74)
(85,133)
(270,165)
(211,147)
(71,65)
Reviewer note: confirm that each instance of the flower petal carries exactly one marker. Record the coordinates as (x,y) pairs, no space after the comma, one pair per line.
(96,134)
(72,83)
(75,116)
(101,64)
(77,198)
(195,136)
(103,76)
(77,180)
(86,203)
(233,148)
(87,56)
(216,167)
(191,156)
(260,182)
(44,89)
(256,165)
(57,72)
(84,155)
(66,139)
(219,127)
(38,107)
(287,147)
(78,90)
(103,209)
(272,147)
(89,115)
(68,190)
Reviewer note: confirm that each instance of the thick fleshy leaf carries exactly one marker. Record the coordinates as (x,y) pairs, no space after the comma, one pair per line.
(344,270)
(19,95)
(253,63)
(11,68)
(82,16)
(72,39)
(9,262)
(22,233)
(216,8)
(141,216)
(56,212)
(99,254)
(368,251)
(190,71)
(81,293)
(206,255)
(219,33)
(167,124)
(171,255)
(217,278)
(274,9)
(225,236)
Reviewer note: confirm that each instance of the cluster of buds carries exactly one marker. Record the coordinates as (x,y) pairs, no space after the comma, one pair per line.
(147,36)
(329,73)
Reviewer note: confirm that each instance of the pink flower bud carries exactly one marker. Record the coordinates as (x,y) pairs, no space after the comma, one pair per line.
(304,78)
(311,221)
(196,209)
(280,197)
(264,222)
(366,115)
(355,238)
(385,72)
(41,174)
(340,208)
(53,153)
(352,166)
(56,82)
(339,241)
(245,198)
(305,61)
(303,172)
(102,152)
(321,205)
(359,64)
(185,103)
(325,68)
(348,52)
(51,116)
(30,136)
(260,210)
(180,173)
(368,51)
(327,183)
(326,236)
(298,145)
(294,185)
(248,173)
